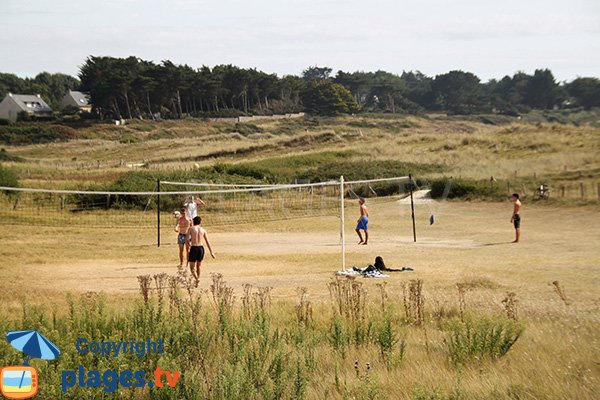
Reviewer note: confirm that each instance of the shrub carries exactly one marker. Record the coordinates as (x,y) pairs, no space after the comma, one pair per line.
(34,133)
(8,178)
(466,189)
(484,338)
(128,139)
(246,129)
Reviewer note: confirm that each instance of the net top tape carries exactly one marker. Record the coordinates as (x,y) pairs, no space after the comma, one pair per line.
(245,188)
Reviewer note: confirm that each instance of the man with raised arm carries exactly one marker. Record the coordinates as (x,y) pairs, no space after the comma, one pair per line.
(191,204)
(363,221)
(196,235)
(516,217)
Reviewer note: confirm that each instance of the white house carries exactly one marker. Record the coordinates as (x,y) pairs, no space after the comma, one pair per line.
(76,99)
(31,104)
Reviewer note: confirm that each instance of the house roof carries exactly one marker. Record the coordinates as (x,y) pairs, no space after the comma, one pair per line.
(30,102)
(81,99)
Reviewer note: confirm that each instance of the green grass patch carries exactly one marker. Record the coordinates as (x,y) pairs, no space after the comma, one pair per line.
(387,125)
(467,189)
(35,133)
(246,129)
(129,139)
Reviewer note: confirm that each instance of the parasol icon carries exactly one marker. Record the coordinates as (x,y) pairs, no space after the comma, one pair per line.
(33,344)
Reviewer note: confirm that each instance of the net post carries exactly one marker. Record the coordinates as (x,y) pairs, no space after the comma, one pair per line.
(412,207)
(342,235)
(158,213)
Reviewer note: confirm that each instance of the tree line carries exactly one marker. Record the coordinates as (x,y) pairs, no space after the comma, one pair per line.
(52,87)
(135,88)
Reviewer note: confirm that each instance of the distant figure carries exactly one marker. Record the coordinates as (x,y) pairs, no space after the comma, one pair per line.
(182,225)
(516,216)
(363,222)
(196,255)
(191,205)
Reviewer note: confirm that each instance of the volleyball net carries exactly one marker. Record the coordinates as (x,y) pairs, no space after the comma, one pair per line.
(224,204)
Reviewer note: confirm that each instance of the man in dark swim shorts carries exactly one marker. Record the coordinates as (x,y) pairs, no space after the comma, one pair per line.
(516,216)
(196,255)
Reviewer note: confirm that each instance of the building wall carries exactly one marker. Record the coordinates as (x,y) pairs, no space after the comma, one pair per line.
(9,109)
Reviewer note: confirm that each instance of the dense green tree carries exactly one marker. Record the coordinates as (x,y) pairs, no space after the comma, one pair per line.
(585,91)
(418,89)
(11,83)
(316,73)
(458,92)
(328,98)
(134,88)
(540,91)
(52,87)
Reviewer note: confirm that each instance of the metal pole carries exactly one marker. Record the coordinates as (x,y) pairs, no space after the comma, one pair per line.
(158,213)
(412,207)
(342,235)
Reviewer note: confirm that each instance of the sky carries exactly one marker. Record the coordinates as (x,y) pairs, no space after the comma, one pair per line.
(491,38)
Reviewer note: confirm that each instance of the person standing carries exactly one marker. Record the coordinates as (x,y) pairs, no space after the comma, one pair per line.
(197,234)
(182,225)
(516,217)
(191,205)
(363,222)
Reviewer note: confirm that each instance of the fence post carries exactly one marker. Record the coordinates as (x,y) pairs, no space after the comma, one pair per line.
(598,190)
(562,190)
(581,189)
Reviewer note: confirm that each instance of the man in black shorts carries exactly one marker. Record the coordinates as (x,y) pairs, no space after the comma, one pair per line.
(195,236)
(516,216)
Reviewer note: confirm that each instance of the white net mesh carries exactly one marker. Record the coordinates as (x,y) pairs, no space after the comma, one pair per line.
(224,204)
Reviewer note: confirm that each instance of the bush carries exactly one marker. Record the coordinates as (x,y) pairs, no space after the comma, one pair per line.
(364,169)
(467,189)
(35,133)
(128,139)
(485,338)
(246,129)
(4,122)
(8,178)
(23,116)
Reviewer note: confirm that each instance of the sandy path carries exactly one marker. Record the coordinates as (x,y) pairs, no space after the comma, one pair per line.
(467,240)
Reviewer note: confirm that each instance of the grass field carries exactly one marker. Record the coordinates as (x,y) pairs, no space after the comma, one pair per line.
(452,338)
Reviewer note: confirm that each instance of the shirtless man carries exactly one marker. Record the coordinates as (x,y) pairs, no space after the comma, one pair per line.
(182,225)
(191,204)
(196,255)
(516,216)
(363,222)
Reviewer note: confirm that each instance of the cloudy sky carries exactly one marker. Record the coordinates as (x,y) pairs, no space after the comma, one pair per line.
(491,38)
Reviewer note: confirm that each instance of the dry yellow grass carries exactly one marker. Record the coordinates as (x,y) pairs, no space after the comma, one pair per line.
(557,356)
(469,244)
(467,149)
